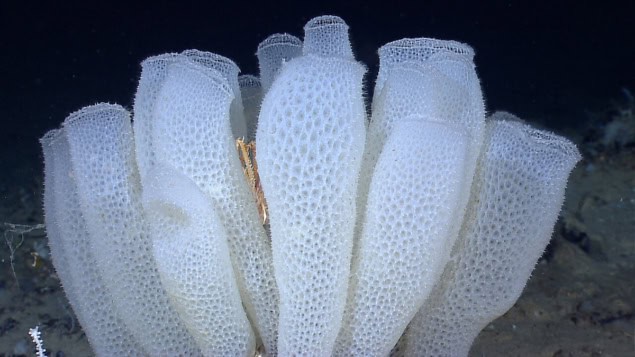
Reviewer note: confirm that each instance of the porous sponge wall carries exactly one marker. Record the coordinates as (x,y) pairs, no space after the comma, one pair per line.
(153,72)
(272,53)
(102,154)
(192,103)
(252,92)
(429,78)
(73,259)
(412,205)
(192,133)
(416,50)
(229,71)
(311,123)
(327,36)
(516,197)
(192,256)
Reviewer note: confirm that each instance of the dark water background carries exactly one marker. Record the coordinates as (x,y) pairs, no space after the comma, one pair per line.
(548,61)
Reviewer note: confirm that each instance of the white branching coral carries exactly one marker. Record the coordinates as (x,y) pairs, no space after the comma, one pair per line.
(36,337)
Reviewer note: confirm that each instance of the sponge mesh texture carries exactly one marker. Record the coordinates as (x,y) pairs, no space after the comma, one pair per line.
(310,141)
(516,197)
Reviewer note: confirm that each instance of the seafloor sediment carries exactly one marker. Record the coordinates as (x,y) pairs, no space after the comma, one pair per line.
(578,302)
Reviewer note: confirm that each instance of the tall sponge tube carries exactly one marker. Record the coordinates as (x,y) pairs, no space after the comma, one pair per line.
(192,256)
(102,154)
(72,257)
(310,142)
(413,202)
(517,193)
(192,134)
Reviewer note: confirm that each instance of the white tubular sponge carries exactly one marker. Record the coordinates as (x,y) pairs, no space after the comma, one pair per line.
(192,134)
(153,72)
(413,89)
(310,141)
(102,154)
(73,260)
(251,92)
(517,193)
(192,256)
(327,36)
(415,50)
(424,76)
(413,203)
(273,53)
(442,86)
(229,70)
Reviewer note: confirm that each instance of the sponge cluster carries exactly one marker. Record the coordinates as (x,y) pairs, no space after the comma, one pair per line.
(330,231)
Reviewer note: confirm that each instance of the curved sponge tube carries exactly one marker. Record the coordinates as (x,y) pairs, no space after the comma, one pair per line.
(72,257)
(192,256)
(273,53)
(515,200)
(102,155)
(412,206)
(310,141)
(192,134)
